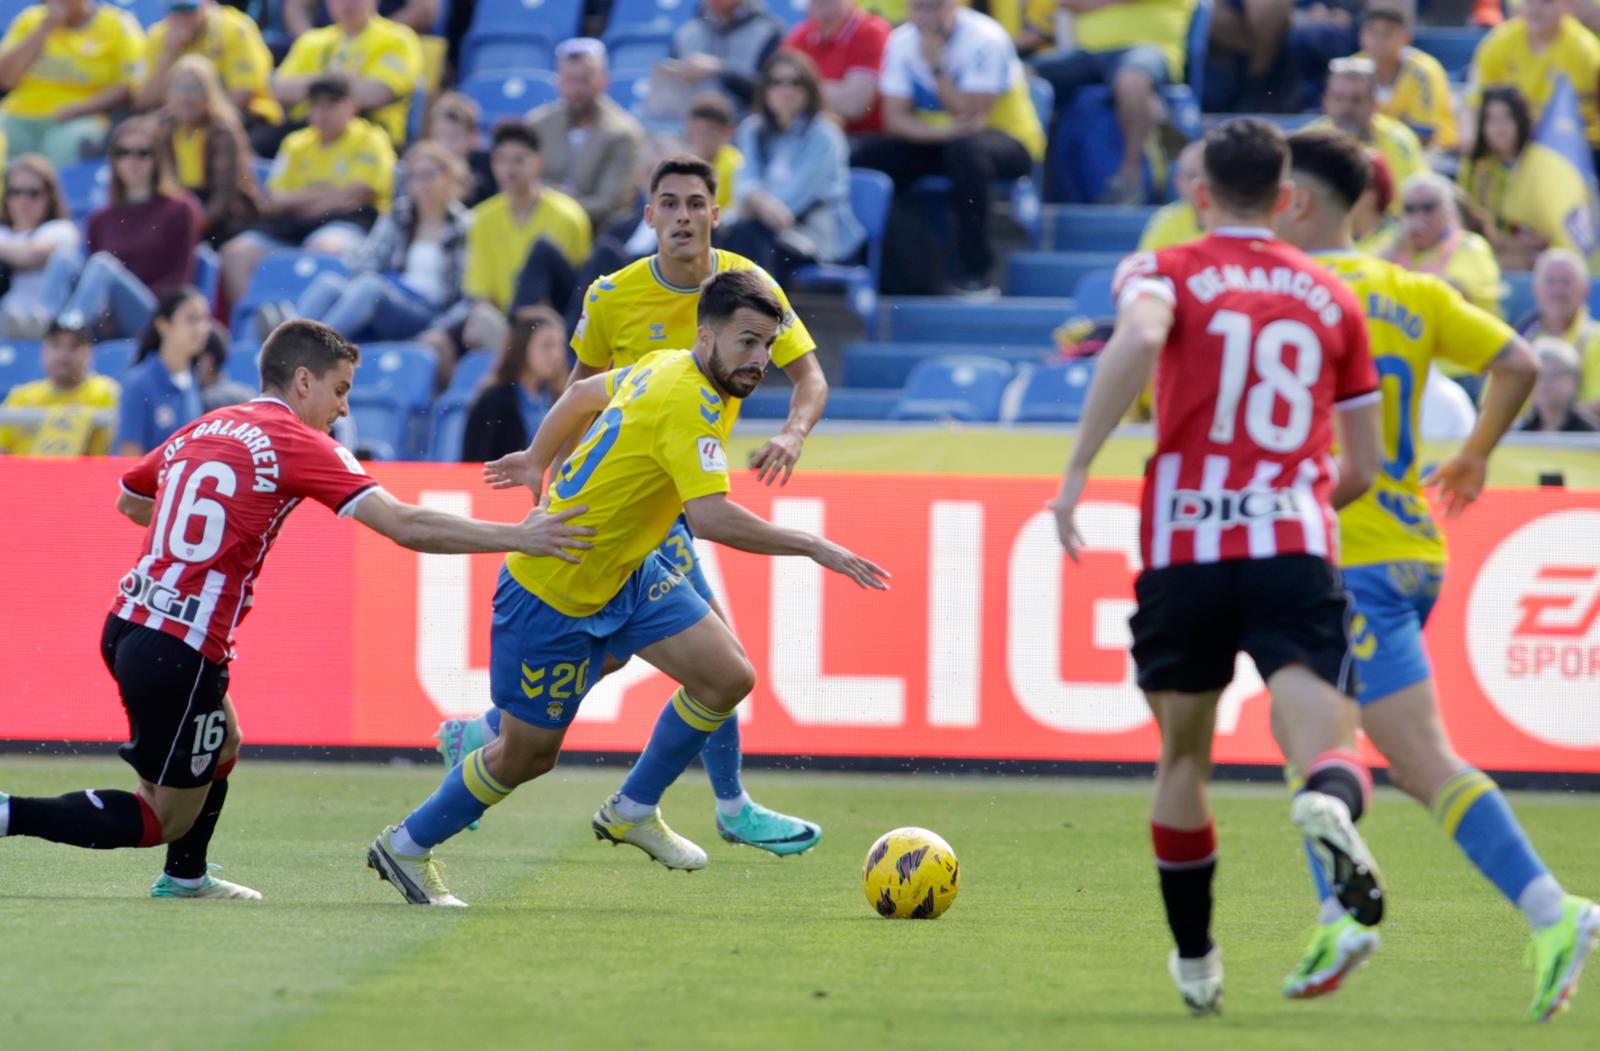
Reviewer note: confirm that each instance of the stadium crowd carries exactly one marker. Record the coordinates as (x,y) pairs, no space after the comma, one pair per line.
(445,178)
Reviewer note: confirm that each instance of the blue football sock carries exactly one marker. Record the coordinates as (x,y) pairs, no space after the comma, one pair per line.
(466,792)
(1473,812)
(721,756)
(680,734)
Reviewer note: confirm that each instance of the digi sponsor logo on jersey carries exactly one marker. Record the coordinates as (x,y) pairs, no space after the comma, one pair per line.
(144,590)
(1190,507)
(1533,628)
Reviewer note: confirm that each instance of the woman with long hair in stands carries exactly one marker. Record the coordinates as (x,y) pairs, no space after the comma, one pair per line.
(34,225)
(210,151)
(529,376)
(161,390)
(793,193)
(141,245)
(1504,127)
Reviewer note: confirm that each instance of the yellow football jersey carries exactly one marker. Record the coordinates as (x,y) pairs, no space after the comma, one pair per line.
(384,51)
(635,312)
(361,155)
(1412,319)
(1503,59)
(232,43)
(658,445)
(74,64)
(1172,224)
(1420,97)
(68,427)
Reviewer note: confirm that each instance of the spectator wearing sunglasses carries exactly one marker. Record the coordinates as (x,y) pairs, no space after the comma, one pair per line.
(141,245)
(793,194)
(590,144)
(455,122)
(34,225)
(1433,241)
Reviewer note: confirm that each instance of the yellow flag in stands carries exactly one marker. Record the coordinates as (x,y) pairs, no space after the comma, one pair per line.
(1552,189)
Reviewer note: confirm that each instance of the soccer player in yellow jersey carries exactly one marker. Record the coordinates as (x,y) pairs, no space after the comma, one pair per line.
(1393,558)
(645,307)
(655,452)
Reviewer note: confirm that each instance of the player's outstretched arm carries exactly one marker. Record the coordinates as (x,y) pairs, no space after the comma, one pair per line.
(775,460)
(442,533)
(1143,322)
(1359,431)
(1512,374)
(720,520)
(558,431)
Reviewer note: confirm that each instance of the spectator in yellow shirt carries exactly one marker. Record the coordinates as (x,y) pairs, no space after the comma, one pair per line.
(329,183)
(526,242)
(1561,295)
(67,402)
(65,65)
(1350,103)
(383,60)
(1177,223)
(1432,241)
(302,16)
(708,131)
(1529,50)
(1412,85)
(224,36)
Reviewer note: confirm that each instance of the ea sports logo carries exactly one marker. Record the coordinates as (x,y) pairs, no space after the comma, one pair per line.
(1533,628)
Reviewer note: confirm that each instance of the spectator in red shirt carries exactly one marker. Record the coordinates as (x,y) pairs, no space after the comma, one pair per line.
(847,45)
(141,245)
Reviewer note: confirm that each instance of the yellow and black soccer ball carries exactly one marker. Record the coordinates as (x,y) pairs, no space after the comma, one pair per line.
(910,874)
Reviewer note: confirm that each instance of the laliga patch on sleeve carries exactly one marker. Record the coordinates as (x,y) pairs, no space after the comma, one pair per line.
(711,457)
(349,459)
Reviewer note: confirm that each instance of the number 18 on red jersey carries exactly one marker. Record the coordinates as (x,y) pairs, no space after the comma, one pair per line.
(1265,345)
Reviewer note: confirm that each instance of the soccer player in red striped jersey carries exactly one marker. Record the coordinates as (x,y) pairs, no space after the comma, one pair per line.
(213,499)
(1260,357)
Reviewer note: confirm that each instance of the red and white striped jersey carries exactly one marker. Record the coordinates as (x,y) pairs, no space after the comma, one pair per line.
(1265,346)
(222,488)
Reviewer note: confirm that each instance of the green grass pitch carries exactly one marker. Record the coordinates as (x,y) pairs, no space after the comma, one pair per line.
(1056,940)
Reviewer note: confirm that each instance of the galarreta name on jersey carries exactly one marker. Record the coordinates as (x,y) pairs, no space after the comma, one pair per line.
(263,458)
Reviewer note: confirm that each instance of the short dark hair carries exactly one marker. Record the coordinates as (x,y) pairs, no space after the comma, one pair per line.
(71,324)
(684,164)
(331,87)
(1244,161)
(516,131)
(1334,159)
(711,106)
(732,290)
(303,344)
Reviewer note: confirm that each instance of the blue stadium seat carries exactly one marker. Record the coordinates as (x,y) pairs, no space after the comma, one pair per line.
(630,86)
(770,403)
(1516,295)
(1086,149)
(244,364)
(637,50)
(558,19)
(449,418)
(509,94)
(380,427)
(1093,294)
(958,387)
(283,274)
(649,16)
(469,374)
(871,367)
(1289,122)
(207,270)
(402,373)
(113,356)
(1453,46)
(792,12)
(1098,227)
(847,404)
(490,48)
(86,187)
(871,194)
(19,363)
(1004,322)
(1053,273)
(1055,393)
